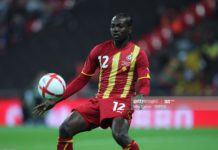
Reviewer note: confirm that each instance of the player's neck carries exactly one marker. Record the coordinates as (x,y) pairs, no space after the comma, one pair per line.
(121,44)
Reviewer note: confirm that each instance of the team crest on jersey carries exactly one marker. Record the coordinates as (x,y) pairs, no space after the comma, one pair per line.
(126,62)
(129,57)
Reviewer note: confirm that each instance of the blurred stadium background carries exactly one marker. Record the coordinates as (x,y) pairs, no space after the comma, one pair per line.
(41,36)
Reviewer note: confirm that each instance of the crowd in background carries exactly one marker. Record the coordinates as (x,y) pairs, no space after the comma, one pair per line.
(21,18)
(189,65)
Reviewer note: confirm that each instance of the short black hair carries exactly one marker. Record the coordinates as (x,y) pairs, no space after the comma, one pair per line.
(125,15)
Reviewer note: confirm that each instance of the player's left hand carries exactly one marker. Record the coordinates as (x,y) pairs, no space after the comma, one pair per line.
(43,107)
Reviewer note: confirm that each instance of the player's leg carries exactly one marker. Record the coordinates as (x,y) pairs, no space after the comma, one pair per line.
(120,127)
(72,125)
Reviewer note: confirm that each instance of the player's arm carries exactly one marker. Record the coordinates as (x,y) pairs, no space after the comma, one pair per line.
(144,87)
(143,74)
(83,78)
(75,85)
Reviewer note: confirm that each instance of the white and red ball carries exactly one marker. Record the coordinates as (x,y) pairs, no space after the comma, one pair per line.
(51,86)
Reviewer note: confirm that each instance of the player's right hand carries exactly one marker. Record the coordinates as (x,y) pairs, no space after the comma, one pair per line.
(43,107)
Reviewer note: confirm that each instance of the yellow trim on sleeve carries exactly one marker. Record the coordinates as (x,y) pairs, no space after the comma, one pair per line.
(87,74)
(147,77)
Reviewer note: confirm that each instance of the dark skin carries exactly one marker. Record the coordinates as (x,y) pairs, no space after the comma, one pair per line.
(120,31)
(75,123)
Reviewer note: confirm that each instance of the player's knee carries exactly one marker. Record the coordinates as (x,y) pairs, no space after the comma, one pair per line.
(120,136)
(65,130)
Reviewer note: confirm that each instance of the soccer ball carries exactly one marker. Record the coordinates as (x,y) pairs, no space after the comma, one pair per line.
(51,86)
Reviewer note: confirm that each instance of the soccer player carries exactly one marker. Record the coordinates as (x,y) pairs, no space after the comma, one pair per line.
(121,64)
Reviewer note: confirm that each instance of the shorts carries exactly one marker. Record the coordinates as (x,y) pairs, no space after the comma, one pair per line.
(100,112)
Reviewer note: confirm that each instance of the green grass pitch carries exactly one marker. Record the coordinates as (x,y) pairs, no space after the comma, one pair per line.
(42,138)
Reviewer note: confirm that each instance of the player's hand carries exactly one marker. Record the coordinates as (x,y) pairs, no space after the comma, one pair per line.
(43,107)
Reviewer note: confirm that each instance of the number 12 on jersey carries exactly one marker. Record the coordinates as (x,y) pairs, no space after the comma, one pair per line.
(119,107)
(103,61)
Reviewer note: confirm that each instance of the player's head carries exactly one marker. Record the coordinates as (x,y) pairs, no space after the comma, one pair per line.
(121,27)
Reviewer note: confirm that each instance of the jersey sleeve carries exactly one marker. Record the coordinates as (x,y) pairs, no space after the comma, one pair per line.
(142,66)
(91,63)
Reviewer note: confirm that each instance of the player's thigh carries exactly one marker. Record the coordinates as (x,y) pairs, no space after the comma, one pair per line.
(73,124)
(120,126)
(111,109)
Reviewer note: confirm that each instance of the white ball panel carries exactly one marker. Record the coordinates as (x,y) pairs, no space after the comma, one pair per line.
(55,86)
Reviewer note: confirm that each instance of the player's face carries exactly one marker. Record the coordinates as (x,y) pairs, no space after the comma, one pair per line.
(120,29)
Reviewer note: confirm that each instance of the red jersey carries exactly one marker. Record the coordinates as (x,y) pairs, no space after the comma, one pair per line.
(120,68)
